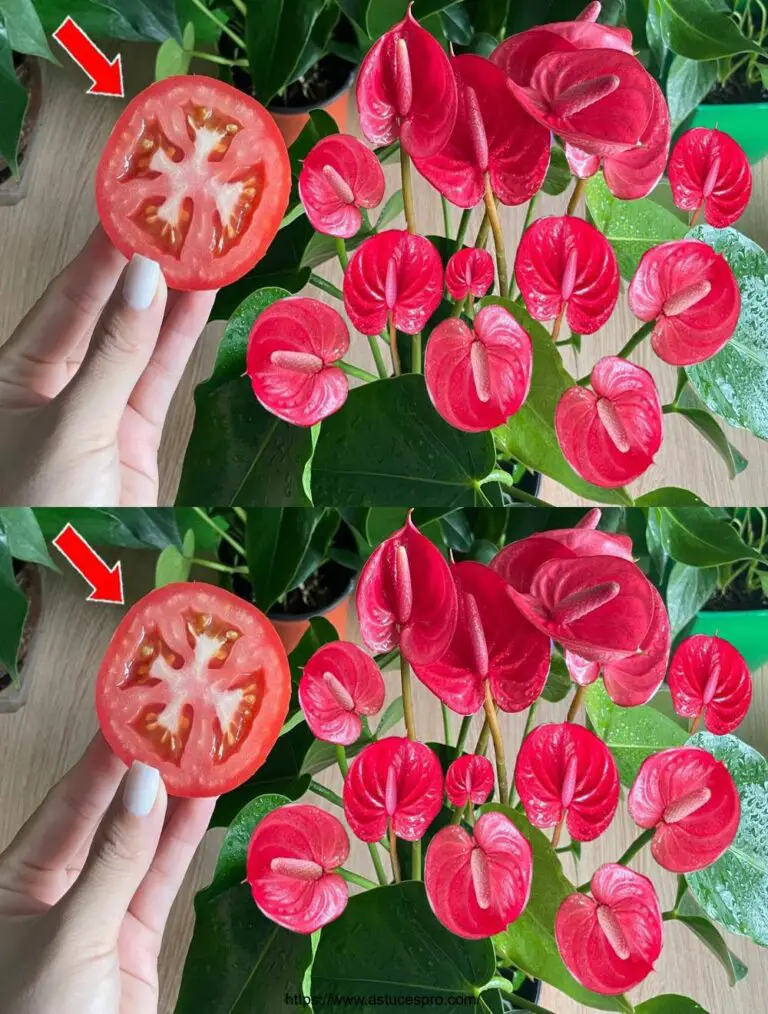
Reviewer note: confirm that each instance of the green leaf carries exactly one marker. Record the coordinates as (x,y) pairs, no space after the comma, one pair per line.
(322,755)
(14,611)
(276,541)
(14,104)
(631,227)
(388,942)
(319,632)
(734,889)
(276,34)
(382,14)
(206,31)
(656,551)
(698,537)
(230,864)
(130,527)
(172,565)
(23,28)
(133,20)
(457,25)
(25,538)
(734,383)
(691,407)
(529,436)
(388,445)
(392,715)
(670,1003)
(697,30)
(318,40)
(319,125)
(172,58)
(655,37)
(670,496)
(692,915)
(631,734)
(319,546)
(688,82)
(559,681)
(529,942)
(688,590)
(558,177)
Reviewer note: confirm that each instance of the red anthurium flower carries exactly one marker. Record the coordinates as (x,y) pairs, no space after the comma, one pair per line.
(709,172)
(477,377)
(290,866)
(566,267)
(564,773)
(581,670)
(406,89)
(291,351)
(395,781)
(477,884)
(492,135)
(692,294)
(492,642)
(339,176)
(610,434)
(406,597)
(582,164)
(469,270)
(610,941)
(393,273)
(691,800)
(339,684)
(469,778)
(709,679)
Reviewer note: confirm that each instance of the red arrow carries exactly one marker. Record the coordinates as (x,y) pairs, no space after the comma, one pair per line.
(106,582)
(107,76)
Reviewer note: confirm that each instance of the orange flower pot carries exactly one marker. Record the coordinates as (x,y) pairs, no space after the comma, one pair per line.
(291,122)
(291,629)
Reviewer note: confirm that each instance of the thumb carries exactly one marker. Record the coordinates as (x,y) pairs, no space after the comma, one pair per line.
(121,854)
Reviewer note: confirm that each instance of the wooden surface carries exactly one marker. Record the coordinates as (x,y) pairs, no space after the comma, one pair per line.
(43,740)
(40,235)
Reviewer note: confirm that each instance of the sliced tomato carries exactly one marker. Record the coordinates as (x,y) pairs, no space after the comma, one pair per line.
(196,683)
(196,176)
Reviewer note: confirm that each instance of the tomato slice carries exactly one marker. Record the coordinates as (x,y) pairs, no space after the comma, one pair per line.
(196,176)
(195,682)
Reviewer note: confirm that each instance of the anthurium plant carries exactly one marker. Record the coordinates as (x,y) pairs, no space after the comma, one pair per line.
(470,891)
(470,392)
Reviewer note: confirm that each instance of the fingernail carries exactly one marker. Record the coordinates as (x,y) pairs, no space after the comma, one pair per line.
(140,283)
(140,790)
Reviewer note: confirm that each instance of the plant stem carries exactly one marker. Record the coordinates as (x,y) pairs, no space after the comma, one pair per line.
(695,723)
(446,724)
(355,371)
(341,758)
(458,306)
(341,250)
(558,831)
(637,337)
(405,173)
(463,733)
(393,345)
(241,7)
(640,842)
(222,26)
(241,513)
(446,217)
(405,680)
(498,235)
(482,232)
(695,216)
(526,729)
(237,546)
(222,568)
(381,369)
(573,203)
(456,818)
(393,853)
(498,742)
(355,878)
(416,353)
(576,703)
(526,222)
(506,987)
(322,283)
(325,793)
(519,494)
(416,861)
(221,61)
(482,739)
(463,226)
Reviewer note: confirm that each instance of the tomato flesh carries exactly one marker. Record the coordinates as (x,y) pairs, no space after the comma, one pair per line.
(196,683)
(196,176)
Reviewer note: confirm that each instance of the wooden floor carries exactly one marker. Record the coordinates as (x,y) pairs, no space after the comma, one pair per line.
(40,235)
(42,741)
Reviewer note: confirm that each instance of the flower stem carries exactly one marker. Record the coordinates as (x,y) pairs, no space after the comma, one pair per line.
(498,235)
(322,283)
(405,173)
(526,729)
(416,861)
(576,703)
(220,61)
(573,203)
(341,250)
(221,25)
(381,369)
(341,758)
(640,842)
(526,222)
(482,739)
(463,226)
(325,793)
(558,831)
(482,232)
(446,217)
(355,878)
(240,4)
(695,723)
(355,371)
(456,818)
(393,853)
(221,568)
(458,306)
(405,680)
(204,516)
(558,324)
(416,353)
(498,742)
(393,345)
(695,216)
(634,341)
(463,733)
(446,724)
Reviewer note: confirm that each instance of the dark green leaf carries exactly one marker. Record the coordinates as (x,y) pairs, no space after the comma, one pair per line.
(456,531)
(230,863)
(457,25)
(276,541)
(205,28)
(25,539)
(559,681)
(322,755)
(133,20)
(13,612)
(670,496)
(688,82)
(23,28)
(670,1003)
(320,632)
(655,36)
(319,125)
(14,104)
(384,13)
(391,716)
(558,177)
(693,916)
(319,546)
(691,407)
(700,538)
(131,527)
(688,590)
(488,16)
(695,29)
(656,549)
(276,34)
(316,45)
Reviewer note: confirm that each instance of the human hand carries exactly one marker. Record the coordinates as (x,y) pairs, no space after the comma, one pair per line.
(84,896)
(87,379)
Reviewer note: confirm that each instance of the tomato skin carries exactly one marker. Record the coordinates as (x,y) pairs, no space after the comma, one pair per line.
(122,697)
(197,265)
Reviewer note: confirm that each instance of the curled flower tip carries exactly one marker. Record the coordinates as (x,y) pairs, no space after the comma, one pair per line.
(609,924)
(403,586)
(591,519)
(591,12)
(686,805)
(568,790)
(481,877)
(614,427)
(300,869)
(568,283)
(403,79)
(338,184)
(683,300)
(476,634)
(390,284)
(583,95)
(476,129)
(339,692)
(481,370)
(581,603)
(301,362)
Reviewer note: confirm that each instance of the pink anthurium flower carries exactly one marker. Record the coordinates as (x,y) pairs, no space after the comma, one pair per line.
(582,671)
(393,273)
(340,683)
(477,884)
(565,775)
(709,172)
(477,377)
(566,268)
(406,90)
(493,136)
(610,941)
(709,679)
(692,801)
(582,164)
(692,294)
(469,778)
(290,867)
(291,354)
(406,597)
(610,434)
(469,270)
(338,177)
(396,782)
(492,643)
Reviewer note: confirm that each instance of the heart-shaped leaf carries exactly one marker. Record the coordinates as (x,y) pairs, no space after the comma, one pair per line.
(701,31)
(692,408)
(692,915)
(700,537)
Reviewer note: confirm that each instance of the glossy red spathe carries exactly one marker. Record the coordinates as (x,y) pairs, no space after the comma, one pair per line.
(290,867)
(406,597)
(406,90)
(393,272)
(292,349)
(477,884)
(393,781)
(692,294)
(340,176)
(708,170)
(565,266)
(709,679)
(469,270)
(469,779)
(692,801)
(610,941)
(340,683)
(610,434)
(479,376)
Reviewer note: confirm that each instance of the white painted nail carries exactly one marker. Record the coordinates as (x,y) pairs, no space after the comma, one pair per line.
(140,789)
(140,283)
